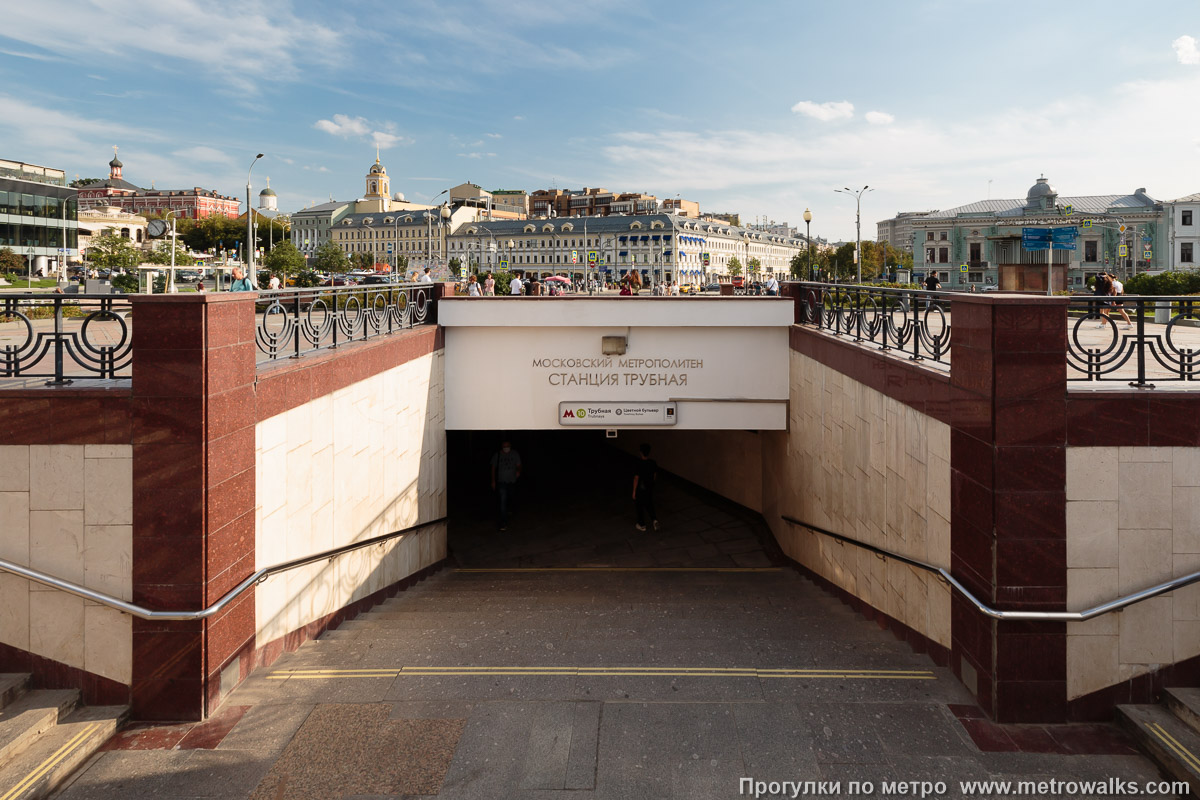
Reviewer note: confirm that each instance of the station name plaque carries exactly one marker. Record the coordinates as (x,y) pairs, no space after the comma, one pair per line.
(616,415)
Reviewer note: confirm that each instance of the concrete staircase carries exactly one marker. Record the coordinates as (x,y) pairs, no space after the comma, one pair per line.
(1169,733)
(45,735)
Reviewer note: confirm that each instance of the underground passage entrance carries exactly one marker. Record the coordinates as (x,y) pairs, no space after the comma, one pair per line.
(572,507)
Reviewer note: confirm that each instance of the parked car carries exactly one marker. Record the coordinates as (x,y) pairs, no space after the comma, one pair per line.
(376,279)
(338,280)
(711,287)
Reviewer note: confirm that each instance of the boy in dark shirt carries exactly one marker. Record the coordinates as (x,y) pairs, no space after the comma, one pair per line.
(643,489)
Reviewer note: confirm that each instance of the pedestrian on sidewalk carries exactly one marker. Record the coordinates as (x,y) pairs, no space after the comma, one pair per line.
(473,287)
(643,488)
(240,282)
(489,286)
(1117,290)
(506,471)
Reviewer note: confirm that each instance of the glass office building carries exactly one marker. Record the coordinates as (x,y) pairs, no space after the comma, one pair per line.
(39,216)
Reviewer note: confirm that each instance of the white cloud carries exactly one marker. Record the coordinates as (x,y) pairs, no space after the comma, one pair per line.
(825,112)
(518,117)
(344,126)
(204,153)
(244,43)
(879,118)
(493,136)
(1186,50)
(349,127)
(476,155)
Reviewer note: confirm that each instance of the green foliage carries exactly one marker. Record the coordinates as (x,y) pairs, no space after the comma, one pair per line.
(330,258)
(754,265)
(127,283)
(285,259)
(81,182)
(455,264)
(401,264)
(213,233)
(161,254)
(363,261)
(306,278)
(113,252)
(10,261)
(503,281)
(1164,283)
(734,267)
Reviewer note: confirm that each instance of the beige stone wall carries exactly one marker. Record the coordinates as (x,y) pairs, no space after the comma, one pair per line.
(67,510)
(861,464)
(366,460)
(1133,521)
(728,463)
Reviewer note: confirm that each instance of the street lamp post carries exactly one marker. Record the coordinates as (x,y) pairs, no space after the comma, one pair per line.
(171,274)
(251,274)
(808,240)
(857,194)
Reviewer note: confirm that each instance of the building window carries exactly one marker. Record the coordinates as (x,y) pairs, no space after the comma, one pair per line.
(976,251)
(1185,218)
(943,255)
(1185,252)
(975,277)
(942,236)
(1089,251)
(929,236)
(929,254)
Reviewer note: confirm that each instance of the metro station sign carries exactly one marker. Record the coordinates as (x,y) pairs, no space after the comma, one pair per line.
(612,415)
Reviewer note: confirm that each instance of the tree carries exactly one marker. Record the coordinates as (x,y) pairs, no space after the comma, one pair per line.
(734,267)
(401,264)
(455,264)
(79,183)
(363,261)
(10,262)
(111,251)
(799,266)
(161,254)
(753,265)
(285,258)
(329,258)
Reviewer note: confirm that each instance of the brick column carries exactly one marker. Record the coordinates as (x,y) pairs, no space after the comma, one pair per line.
(193,472)
(1008,526)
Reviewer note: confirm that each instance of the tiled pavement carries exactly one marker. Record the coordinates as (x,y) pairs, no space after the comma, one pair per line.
(580,659)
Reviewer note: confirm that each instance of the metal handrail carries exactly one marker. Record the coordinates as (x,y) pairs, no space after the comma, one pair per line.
(204,613)
(983,608)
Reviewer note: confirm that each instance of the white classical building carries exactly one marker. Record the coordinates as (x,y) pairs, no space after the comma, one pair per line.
(658,246)
(1184,231)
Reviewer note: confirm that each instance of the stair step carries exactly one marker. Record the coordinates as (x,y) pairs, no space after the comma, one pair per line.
(36,772)
(22,722)
(1166,740)
(1185,704)
(12,686)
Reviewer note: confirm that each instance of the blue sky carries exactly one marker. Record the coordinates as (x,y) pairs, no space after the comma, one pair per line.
(761,107)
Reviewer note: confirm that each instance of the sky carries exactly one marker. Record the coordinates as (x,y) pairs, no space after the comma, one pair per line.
(761,108)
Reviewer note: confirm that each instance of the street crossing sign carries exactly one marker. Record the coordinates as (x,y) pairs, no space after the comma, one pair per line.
(1087,223)
(1124,251)
(592,256)
(962,267)
(574,256)
(1068,210)
(504,263)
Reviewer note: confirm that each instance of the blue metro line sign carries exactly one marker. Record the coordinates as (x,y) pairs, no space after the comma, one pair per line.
(1049,238)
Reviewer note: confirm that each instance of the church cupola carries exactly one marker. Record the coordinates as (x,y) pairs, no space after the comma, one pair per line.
(377,181)
(114,166)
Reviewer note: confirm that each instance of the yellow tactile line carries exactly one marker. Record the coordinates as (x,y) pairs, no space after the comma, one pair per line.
(610,672)
(1189,758)
(623,569)
(49,764)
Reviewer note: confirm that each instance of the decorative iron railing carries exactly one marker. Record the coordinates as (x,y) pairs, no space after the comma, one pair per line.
(292,322)
(1134,338)
(65,337)
(913,322)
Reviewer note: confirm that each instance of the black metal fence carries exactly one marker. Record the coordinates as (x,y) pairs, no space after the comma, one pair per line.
(64,337)
(291,322)
(1134,337)
(914,322)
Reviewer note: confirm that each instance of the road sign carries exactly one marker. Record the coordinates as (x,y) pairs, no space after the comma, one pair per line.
(1035,238)
(1068,210)
(1063,238)
(1087,223)
(1121,228)
(389,249)
(1123,252)
(706,258)
(574,256)
(504,263)
(962,267)
(592,256)
(1147,254)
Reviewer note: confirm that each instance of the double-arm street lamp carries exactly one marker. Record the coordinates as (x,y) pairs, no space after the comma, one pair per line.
(251,273)
(857,194)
